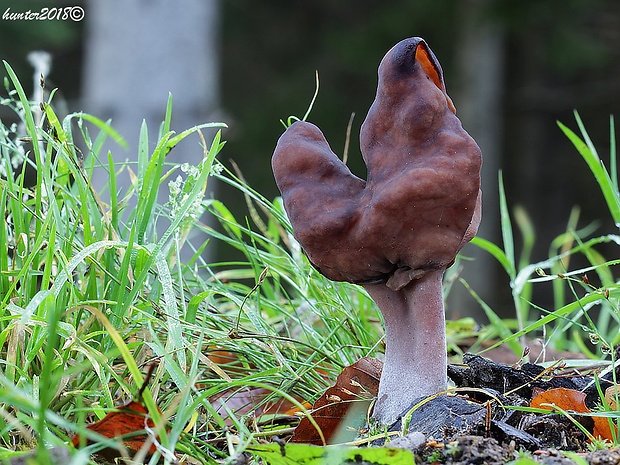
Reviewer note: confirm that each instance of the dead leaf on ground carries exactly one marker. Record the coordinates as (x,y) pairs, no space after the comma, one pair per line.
(566,399)
(571,399)
(250,399)
(127,423)
(357,384)
(612,393)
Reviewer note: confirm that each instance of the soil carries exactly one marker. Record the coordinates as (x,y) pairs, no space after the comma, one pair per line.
(477,427)
(478,450)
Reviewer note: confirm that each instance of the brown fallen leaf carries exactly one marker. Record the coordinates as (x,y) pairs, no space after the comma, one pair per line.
(356,385)
(246,400)
(243,400)
(611,396)
(570,399)
(228,361)
(127,423)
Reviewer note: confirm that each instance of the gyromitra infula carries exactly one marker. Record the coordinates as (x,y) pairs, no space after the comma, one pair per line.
(396,232)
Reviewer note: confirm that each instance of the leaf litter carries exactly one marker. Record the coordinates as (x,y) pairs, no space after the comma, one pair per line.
(497,414)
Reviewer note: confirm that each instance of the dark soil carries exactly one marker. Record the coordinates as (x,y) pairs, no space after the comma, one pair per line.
(479,450)
(477,428)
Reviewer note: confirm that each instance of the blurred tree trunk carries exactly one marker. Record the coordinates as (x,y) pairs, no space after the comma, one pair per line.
(136,53)
(478,98)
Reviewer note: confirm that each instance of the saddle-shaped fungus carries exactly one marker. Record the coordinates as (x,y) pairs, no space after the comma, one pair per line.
(396,232)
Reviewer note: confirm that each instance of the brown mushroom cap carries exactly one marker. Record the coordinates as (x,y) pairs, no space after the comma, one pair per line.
(421,201)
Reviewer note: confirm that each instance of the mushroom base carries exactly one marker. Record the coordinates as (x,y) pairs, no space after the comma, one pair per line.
(415,358)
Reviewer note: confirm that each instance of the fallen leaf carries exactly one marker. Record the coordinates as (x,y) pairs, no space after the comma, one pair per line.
(126,423)
(250,399)
(570,399)
(602,429)
(226,359)
(566,399)
(612,393)
(244,400)
(356,386)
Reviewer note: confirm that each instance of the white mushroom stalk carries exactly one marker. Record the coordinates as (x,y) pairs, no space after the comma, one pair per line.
(415,358)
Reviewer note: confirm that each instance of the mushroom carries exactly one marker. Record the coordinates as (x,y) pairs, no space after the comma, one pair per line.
(396,232)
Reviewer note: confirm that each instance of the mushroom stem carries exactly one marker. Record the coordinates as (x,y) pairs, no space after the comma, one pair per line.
(415,358)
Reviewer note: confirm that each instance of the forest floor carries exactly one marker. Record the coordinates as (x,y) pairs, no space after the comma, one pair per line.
(507,412)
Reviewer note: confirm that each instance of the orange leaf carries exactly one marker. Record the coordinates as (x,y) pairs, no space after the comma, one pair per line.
(127,420)
(602,429)
(566,399)
(570,399)
(223,357)
(357,385)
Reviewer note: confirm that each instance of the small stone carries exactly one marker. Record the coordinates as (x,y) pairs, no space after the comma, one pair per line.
(411,441)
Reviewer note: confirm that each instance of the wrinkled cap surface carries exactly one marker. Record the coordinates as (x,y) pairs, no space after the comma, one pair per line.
(421,201)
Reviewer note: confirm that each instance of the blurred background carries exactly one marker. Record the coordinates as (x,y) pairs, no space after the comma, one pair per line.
(513,68)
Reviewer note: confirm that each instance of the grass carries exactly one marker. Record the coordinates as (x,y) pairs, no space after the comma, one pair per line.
(582,312)
(94,294)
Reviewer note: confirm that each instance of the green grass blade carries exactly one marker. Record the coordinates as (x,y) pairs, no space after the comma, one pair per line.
(612,152)
(149,189)
(507,237)
(143,154)
(607,186)
(113,193)
(168,116)
(496,253)
(102,125)
(45,392)
(175,343)
(182,135)
(4,257)
(30,124)
(584,302)
(129,359)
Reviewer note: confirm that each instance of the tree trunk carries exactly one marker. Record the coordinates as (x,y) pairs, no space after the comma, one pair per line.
(479,64)
(136,53)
